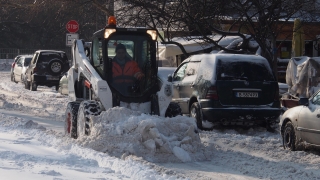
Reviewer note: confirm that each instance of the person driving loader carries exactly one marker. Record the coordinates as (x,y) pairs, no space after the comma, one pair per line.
(124,69)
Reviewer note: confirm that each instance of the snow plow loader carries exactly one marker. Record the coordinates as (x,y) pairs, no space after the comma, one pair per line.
(95,85)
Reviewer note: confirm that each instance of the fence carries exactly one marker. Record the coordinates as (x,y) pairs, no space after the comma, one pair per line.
(10,53)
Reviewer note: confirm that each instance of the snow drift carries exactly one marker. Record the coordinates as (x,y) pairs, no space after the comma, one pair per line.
(122,132)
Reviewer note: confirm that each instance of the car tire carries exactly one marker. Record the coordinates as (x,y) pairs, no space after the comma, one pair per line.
(84,123)
(55,67)
(27,85)
(33,86)
(12,77)
(173,110)
(289,137)
(70,126)
(22,80)
(195,112)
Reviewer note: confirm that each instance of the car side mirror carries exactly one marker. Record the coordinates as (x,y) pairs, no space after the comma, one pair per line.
(169,78)
(304,101)
(87,51)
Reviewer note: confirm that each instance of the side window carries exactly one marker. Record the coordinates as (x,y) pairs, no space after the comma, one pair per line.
(181,72)
(316,99)
(97,52)
(192,68)
(34,59)
(19,62)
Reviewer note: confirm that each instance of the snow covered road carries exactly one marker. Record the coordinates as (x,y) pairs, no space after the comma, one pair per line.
(33,146)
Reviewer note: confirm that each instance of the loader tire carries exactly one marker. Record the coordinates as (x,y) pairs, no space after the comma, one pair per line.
(70,126)
(173,110)
(84,122)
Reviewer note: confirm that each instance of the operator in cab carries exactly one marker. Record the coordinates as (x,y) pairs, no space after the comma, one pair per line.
(124,69)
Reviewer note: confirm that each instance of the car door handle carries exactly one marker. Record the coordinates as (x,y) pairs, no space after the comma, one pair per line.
(318,115)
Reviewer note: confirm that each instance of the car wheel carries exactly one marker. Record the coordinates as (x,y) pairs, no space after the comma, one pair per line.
(84,123)
(12,77)
(70,127)
(27,85)
(195,112)
(22,80)
(33,86)
(173,110)
(55,67)
(289,137)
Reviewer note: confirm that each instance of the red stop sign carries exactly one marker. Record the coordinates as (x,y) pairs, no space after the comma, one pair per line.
(72,26)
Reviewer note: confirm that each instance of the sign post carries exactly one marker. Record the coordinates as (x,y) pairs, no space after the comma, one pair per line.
(72,26)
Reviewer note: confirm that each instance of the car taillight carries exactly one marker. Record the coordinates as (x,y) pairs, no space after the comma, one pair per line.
(12,65)
(212,93)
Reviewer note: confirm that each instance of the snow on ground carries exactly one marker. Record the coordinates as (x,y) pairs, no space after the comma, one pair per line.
(136,146)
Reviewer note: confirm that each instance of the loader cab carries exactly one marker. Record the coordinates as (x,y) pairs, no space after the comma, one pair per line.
(140,55)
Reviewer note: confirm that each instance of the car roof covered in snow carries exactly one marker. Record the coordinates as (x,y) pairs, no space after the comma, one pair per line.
(228,57)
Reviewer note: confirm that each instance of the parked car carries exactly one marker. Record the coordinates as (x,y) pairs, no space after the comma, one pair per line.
(46,69)
(299,125)
(13,65)
(227,89)
(19,70)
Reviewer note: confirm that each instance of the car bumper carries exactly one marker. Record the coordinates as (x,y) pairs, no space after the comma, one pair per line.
(240,115)
(47,80)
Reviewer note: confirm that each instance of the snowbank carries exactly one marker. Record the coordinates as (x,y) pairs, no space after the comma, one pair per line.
(5,65)
(122,132)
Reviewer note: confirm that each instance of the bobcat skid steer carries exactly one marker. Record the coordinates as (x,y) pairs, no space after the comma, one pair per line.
(92,88)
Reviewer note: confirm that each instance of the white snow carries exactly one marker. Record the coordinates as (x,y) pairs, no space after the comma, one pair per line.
(133,145)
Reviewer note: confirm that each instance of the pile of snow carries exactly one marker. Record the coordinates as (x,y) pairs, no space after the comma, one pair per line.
(122,132)
(4,65)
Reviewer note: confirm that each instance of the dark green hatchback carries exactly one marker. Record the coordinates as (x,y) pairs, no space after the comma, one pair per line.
(227,89)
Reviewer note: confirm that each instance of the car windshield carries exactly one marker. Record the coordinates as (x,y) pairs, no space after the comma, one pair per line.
(133,70)
(243,70)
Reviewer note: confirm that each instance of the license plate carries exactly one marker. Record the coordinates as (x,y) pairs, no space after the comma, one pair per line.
(52,78)
(247,94)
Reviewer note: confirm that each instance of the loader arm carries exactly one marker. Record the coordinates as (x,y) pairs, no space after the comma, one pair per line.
(82,73)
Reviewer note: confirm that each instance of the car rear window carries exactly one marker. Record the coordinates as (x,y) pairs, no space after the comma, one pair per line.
(243,70)
(27,61)
(46,57)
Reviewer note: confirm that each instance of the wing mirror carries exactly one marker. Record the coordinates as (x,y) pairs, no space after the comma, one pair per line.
(87,51)
(304,101)
(169,78)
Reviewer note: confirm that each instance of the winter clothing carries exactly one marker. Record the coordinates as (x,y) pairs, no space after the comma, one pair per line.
(123,66)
